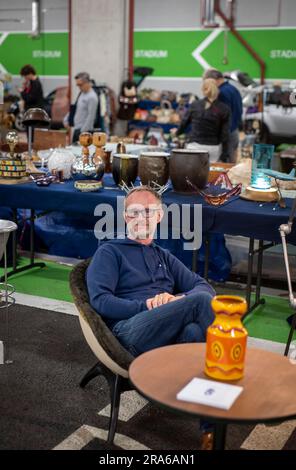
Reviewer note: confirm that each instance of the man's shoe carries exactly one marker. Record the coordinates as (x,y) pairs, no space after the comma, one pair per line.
(207,441)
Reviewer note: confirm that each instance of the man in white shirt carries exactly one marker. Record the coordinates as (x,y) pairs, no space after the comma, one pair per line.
(85,109)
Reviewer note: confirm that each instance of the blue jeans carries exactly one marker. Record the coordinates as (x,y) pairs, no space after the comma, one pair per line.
(183,321)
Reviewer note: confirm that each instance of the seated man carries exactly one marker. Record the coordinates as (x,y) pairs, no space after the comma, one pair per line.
(146,296)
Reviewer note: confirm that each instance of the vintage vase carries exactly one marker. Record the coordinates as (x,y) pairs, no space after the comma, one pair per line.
(226,339)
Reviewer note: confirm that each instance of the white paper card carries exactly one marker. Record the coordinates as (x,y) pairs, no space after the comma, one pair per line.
(211,393)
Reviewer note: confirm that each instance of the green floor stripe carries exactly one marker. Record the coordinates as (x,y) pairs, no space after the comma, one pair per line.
(266,321)
(52,281)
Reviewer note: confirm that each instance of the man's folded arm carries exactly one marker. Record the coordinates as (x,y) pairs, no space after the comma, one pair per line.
(187,282)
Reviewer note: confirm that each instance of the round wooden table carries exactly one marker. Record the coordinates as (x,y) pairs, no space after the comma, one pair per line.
(268,395)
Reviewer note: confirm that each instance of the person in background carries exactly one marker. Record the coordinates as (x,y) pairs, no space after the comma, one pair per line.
(31,91)
(83,113)
(146,296)
(229,95)
(210,123)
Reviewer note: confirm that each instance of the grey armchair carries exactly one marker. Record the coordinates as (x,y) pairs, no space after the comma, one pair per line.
(112,359)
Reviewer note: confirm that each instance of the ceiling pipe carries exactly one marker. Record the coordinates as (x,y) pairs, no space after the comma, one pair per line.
(230,24)
(131,39)
(70,49)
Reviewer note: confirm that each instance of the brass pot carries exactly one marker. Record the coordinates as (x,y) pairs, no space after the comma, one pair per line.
(124,168)
(188,166)
(154,167)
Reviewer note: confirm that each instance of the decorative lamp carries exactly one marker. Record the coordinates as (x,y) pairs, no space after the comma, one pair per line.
(262,155)
(260,188)
(34,117)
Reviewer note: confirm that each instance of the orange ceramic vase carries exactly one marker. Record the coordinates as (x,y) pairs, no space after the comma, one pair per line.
(226,339)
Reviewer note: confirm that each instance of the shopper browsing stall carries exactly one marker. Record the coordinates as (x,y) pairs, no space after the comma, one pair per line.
(83,113)
(31,91)
(229,95)
(210,121)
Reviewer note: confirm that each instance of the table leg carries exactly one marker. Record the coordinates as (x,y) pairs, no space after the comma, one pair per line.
(32,227)
(259,271)
(258,300)
(32,264)
(292,329)
(250,271)
(219,436)
(194,261)
(14,240)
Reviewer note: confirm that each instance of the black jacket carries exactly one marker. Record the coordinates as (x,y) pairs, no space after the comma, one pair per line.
(209,126)
(33,95)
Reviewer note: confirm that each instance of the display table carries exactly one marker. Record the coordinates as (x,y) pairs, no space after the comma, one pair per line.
(237,217)
(268,386)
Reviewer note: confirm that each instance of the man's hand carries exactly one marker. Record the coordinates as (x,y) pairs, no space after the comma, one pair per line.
(161,299)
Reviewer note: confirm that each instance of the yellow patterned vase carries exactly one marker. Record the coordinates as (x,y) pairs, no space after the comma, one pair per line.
(226,339)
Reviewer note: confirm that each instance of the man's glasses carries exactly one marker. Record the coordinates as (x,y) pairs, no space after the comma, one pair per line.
(136,213)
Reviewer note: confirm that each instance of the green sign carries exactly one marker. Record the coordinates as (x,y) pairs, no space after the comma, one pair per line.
(188,53)
(48,53)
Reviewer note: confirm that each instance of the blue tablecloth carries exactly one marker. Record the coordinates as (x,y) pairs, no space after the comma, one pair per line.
(237,217)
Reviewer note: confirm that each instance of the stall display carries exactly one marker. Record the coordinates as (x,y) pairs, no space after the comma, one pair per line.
(217,168)
(87,186)
(34,117)
(154,167)
(84,167)
(261,160)
(226,339)
(188,166)
(99,139)
(124,168)
(219,191)
(11,165)
(61,160)
(127,100)
(163,109)
(260,185)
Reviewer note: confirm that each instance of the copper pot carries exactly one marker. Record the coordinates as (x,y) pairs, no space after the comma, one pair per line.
(124,168)
(154,167)
(106,157)
(188,166)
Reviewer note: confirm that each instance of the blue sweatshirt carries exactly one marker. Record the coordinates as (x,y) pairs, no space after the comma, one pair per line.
(230,95)
(123,274)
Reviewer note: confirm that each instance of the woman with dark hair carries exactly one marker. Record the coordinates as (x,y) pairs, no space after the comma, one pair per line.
(31,92)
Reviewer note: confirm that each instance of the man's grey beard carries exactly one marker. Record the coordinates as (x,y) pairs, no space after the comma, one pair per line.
(140,234)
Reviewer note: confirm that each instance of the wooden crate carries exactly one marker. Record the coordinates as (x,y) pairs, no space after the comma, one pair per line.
(216,168)
(47,138)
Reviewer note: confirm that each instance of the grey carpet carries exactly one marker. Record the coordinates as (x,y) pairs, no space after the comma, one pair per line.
(42,404)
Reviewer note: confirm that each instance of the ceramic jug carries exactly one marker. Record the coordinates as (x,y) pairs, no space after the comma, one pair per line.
(226,339)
